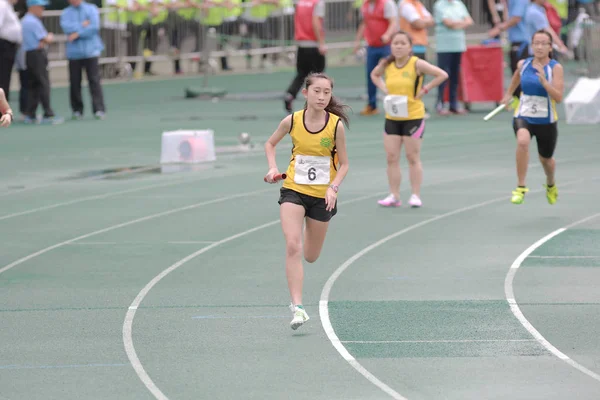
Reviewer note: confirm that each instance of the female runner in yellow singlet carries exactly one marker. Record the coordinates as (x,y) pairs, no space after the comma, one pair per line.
(404,113)
(317,167)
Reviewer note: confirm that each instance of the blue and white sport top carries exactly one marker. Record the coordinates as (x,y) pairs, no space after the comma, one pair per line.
(536,106)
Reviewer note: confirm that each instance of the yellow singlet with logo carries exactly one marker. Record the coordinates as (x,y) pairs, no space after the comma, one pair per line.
(313,164)
(405,82)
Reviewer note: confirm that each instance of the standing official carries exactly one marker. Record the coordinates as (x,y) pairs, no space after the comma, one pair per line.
(309,33)
(81,23)
(35,41)
(379,22)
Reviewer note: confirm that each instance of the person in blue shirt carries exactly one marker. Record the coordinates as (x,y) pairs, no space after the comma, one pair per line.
(542,83)
(80,21)
(35,41)
(517,34)
(536,20)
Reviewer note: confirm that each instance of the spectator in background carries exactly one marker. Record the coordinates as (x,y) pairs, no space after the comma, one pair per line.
(35,41)
(536,19)
(589,6)
(10,39)
(379,22)
(517,36)
(21,67)
(415,19)
(310,39)
(495,11)
(562,8)
(81,23)
(451,20)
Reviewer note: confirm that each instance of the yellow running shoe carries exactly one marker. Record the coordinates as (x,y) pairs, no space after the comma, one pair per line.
(551,193)
(518,195)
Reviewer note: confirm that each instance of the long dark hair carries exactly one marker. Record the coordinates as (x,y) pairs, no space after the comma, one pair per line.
(335,106)
(391,58)
(545,32)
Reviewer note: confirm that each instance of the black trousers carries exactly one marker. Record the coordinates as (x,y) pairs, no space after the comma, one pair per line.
(308,59)
(8,51)
(24,82)
(38,83)
(517,53)
(92,73)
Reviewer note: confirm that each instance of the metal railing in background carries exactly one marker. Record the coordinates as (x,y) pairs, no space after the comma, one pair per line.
(177,37)
(591,48)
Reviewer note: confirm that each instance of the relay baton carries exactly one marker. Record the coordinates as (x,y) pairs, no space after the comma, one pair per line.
(277,177)
(494,112)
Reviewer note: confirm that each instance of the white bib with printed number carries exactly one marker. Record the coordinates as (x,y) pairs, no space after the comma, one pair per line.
(534,106)
(396,105)
(312,170)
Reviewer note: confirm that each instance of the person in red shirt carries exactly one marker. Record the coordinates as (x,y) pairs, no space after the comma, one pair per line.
(379,22)
(309,34)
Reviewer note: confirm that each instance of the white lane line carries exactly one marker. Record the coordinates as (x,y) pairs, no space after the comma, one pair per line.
(124,224)
(514,307)
(563,257)
(128,323)
(139,243)
(325,294)
(435,341)
(130,315)
(107,195)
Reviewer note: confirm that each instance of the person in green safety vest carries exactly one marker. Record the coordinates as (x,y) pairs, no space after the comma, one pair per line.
(562,8)
(230,25)
(137,24)
(354,13)
(159,13)
(255,18)
(213,13)
(182,22)
(114,25)
(276,26)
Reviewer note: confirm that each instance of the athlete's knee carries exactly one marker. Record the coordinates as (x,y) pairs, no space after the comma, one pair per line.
(392,158)
(311,257)
(546,159)
(293,247)
(523,138)
(413,159)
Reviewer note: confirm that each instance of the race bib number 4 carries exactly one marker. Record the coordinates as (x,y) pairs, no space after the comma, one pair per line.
(312,170)
(396,106)
(534,106)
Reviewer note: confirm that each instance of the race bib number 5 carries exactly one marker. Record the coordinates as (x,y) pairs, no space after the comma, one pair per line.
(534,106)
(312,170)
(396,106)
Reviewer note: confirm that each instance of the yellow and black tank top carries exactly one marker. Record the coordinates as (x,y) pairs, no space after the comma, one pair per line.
(313,164)
(405,82)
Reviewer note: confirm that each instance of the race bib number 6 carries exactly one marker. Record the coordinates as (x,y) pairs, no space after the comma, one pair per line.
(396,106)
(534,106)
(312,170)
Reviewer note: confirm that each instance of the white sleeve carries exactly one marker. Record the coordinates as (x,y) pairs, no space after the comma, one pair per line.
(390,10)
(409,12)
(319,10)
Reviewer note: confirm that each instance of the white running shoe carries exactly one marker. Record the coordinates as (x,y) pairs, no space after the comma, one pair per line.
(300,317)
(415,201)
